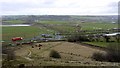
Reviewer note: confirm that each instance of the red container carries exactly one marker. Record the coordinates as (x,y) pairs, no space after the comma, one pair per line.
(17,38)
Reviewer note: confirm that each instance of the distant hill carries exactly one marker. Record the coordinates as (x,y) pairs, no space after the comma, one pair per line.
(33,18)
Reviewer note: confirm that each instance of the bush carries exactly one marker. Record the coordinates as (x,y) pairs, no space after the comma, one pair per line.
(72,39)
(83,38)
(21,65)
(112,54)
(54,54)
(77,37)
(10,55)
(99,56)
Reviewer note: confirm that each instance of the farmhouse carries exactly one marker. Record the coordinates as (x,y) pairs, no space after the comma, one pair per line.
(46,35)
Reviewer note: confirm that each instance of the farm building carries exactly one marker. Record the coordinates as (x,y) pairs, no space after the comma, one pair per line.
(112,34)
(46,35)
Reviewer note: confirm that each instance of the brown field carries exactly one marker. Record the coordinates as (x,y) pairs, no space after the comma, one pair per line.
(72,54)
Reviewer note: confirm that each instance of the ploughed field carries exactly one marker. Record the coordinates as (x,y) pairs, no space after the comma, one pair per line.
(72,54)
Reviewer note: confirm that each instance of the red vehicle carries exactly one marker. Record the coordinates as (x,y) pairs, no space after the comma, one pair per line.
(17,38)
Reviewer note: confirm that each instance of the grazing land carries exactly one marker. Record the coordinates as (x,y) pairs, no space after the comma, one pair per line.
(14,21)
(22,31)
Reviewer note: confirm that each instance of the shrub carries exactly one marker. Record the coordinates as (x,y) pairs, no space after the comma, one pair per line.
(112,53)
(72,39)
(83,38)
(21,65)
(10,55)
(54,54)
(99,56)
(77,37)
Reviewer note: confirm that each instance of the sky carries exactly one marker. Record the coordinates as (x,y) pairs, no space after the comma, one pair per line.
(59,7)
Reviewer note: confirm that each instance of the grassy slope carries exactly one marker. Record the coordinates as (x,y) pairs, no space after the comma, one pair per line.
(102,44)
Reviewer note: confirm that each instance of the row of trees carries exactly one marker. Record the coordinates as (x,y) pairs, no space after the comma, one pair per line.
(81,37)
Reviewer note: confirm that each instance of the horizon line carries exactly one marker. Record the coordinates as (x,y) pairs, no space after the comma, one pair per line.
(60,15)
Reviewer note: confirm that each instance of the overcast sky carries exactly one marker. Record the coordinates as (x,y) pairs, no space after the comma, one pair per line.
(58,7)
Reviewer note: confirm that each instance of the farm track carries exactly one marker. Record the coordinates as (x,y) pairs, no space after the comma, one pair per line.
(28,56)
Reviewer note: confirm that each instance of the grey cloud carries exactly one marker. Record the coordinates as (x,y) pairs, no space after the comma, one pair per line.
(113,4)
(49,2)
(14,6)
(19,7)
(112,8)
(6,6)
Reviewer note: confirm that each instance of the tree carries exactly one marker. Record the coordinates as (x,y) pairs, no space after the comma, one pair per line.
(107,38)
(117,37)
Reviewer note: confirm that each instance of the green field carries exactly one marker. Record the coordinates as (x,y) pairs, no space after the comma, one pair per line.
(66,25)
(23,31)
(53,22)
(15,21)
(101,44)
(93,26)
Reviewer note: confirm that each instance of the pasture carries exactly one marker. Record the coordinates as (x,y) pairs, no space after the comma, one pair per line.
(70,26)
(14,21)
(54,22)
(94,26)
(26,32)
(100,44)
